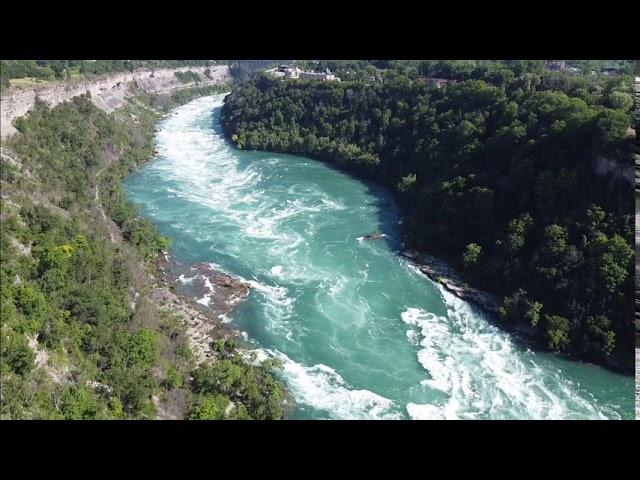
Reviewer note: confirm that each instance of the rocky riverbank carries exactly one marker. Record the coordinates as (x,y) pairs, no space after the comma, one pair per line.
(203,298)
(439,271)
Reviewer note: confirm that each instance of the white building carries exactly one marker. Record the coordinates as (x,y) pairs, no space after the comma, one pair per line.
(289,72)
(293,72)
(326,76)
(555,64)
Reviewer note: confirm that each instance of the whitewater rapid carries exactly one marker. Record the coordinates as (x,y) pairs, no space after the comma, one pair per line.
(360,332)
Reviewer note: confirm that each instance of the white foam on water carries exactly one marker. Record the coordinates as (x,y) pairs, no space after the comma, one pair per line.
(424,412)
(482,372)
(414,337)
(185,280)
(268,221)
(362,238)
(332,204)
(208,284)
(414,268)
(274,293)
(276,271)
(208,174)
(278,308)
(218,268)
(206,300)
(322,388)
(285,246)
(337,286)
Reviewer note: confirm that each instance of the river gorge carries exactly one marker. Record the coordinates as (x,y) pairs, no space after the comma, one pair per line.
(361,332)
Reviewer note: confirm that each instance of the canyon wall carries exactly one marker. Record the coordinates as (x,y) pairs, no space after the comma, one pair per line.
(108,92)
(603,166)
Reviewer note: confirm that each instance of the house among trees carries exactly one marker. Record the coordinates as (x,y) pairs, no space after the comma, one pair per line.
(610,70)
(285,71)
(288,72)
(555,65)
(326,76)
(292,72)
(438,82)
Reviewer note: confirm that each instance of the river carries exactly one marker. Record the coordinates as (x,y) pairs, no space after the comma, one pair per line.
(362,334)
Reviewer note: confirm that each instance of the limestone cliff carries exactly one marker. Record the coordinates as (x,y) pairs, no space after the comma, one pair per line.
(107,92)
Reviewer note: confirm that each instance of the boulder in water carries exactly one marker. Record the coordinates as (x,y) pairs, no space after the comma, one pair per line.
(374,236)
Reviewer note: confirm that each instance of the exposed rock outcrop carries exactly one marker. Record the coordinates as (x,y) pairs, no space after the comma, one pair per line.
(59,374)
(203,319)
(637,217)
(606,166)
(439,271)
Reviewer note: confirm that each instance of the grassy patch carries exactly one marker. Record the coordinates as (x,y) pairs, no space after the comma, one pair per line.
(27,82)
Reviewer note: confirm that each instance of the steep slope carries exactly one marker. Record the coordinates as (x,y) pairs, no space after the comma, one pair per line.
(90,328)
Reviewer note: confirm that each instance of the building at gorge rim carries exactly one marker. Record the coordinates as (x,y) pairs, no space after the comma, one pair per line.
(295,73)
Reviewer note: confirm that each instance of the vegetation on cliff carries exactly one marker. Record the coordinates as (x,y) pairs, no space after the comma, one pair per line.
(81,339)
(494,171)
(187,77)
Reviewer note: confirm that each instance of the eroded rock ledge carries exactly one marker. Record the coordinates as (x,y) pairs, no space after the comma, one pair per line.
(439,271)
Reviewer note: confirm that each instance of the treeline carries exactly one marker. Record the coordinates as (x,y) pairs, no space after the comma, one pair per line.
(376,70)
(494,171)
(187,77)
(80,337)
(23,68)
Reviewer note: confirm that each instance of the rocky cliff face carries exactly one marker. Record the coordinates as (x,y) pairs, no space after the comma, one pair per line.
(107,93)
(637,217)
(603,166)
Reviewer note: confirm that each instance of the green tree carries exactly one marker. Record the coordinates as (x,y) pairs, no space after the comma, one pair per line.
(210,407)
(471,255)
(557,332)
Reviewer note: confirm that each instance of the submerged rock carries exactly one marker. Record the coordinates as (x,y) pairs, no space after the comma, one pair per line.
(374,236)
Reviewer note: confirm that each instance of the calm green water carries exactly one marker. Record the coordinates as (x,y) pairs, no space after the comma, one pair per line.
(362,334)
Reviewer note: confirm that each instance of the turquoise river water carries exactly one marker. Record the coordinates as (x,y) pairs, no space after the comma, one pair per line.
(361,333)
